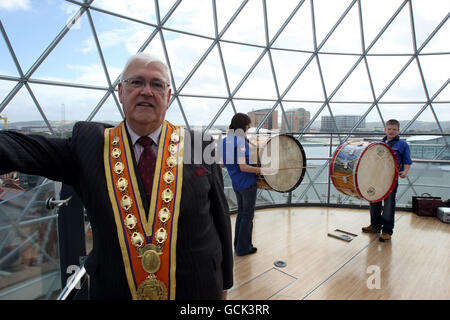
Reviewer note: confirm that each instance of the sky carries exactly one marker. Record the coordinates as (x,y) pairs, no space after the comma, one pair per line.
(189,32)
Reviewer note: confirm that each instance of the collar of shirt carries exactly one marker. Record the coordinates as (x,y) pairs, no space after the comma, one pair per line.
(137,148)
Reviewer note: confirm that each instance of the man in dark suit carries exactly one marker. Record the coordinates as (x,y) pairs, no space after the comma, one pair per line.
(167,240)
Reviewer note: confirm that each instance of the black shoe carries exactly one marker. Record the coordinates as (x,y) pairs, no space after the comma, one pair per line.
(252,250)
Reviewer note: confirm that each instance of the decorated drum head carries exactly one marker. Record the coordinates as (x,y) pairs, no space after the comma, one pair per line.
(364,170)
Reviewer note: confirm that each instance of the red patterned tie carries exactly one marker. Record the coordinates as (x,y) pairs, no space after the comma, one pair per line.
(146,164)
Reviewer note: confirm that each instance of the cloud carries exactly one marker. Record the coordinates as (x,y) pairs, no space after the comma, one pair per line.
(15,5)
(138,9)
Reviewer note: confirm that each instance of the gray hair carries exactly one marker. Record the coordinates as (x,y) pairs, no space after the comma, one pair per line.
(147,58)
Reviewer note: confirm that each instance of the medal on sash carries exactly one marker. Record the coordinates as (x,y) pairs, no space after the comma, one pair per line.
(148,245)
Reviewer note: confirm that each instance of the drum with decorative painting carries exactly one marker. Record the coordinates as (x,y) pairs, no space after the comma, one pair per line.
(285,155)
(365,170)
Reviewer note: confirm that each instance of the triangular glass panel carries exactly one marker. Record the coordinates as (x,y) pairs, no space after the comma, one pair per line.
(347,36)
(32,28)
(320,118)
(277,13)
(164,7)
(287,64)
(225,11)
(75,59)
(374,23)
(109,112)
(356,87)
(208,79)
(66,103)
(439,42)
(298,34)
(383,69)
(200,111)
(193,17)
(248,27)
(397,38)
(402,112)
(326,15)
(7,65)
(425,123)
(118,38)
(184,52)
(426,18)
(335,68)
(224,119)
(143,10)
(436,70)
(155,48)
(442,113)
(308,86)
(444,95)
(260,82)
(407,87)
(22,109)
(5,88)
(349,117)
(262,108)
(238,60)
(373,120)
(174,114)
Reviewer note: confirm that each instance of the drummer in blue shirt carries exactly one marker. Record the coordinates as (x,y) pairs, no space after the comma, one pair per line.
(385,221)
(235,157)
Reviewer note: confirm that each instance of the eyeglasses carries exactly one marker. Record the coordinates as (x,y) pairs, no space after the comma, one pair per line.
(156,85)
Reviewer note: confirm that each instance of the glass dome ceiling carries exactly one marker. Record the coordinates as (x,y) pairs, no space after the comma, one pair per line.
(378,59)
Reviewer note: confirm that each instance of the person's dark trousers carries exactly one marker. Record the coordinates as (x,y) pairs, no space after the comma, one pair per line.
(384,221)
(246,200)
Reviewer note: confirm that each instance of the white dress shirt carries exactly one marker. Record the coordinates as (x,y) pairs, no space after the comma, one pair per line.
(138,149)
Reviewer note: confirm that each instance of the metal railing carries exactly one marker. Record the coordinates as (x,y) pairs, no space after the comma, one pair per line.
(425,176)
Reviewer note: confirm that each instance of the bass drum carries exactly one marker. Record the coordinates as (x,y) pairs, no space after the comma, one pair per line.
(282,153)
(364,170)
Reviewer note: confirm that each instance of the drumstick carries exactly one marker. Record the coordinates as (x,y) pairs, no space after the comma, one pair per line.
(308,167)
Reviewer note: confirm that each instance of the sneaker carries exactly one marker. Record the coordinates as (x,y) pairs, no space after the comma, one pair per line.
(385,237)
(370,229)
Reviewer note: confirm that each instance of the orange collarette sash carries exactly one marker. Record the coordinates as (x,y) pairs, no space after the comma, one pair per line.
(148,245)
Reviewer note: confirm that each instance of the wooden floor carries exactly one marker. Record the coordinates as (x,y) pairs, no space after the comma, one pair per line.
(414,265)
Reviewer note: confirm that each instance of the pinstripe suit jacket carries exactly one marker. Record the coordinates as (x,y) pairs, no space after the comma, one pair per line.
(204,253)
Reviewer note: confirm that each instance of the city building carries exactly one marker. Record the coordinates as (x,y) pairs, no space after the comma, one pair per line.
(297,119)
(257,117)
(343,123)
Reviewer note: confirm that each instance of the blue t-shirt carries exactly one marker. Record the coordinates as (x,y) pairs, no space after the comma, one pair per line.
(401,149)
(233,148)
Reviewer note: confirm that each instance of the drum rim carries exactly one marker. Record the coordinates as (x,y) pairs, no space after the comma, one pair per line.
(304,163)
(394,182)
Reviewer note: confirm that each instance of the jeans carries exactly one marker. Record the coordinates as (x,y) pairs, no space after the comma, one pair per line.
(384,221)
(246,200)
